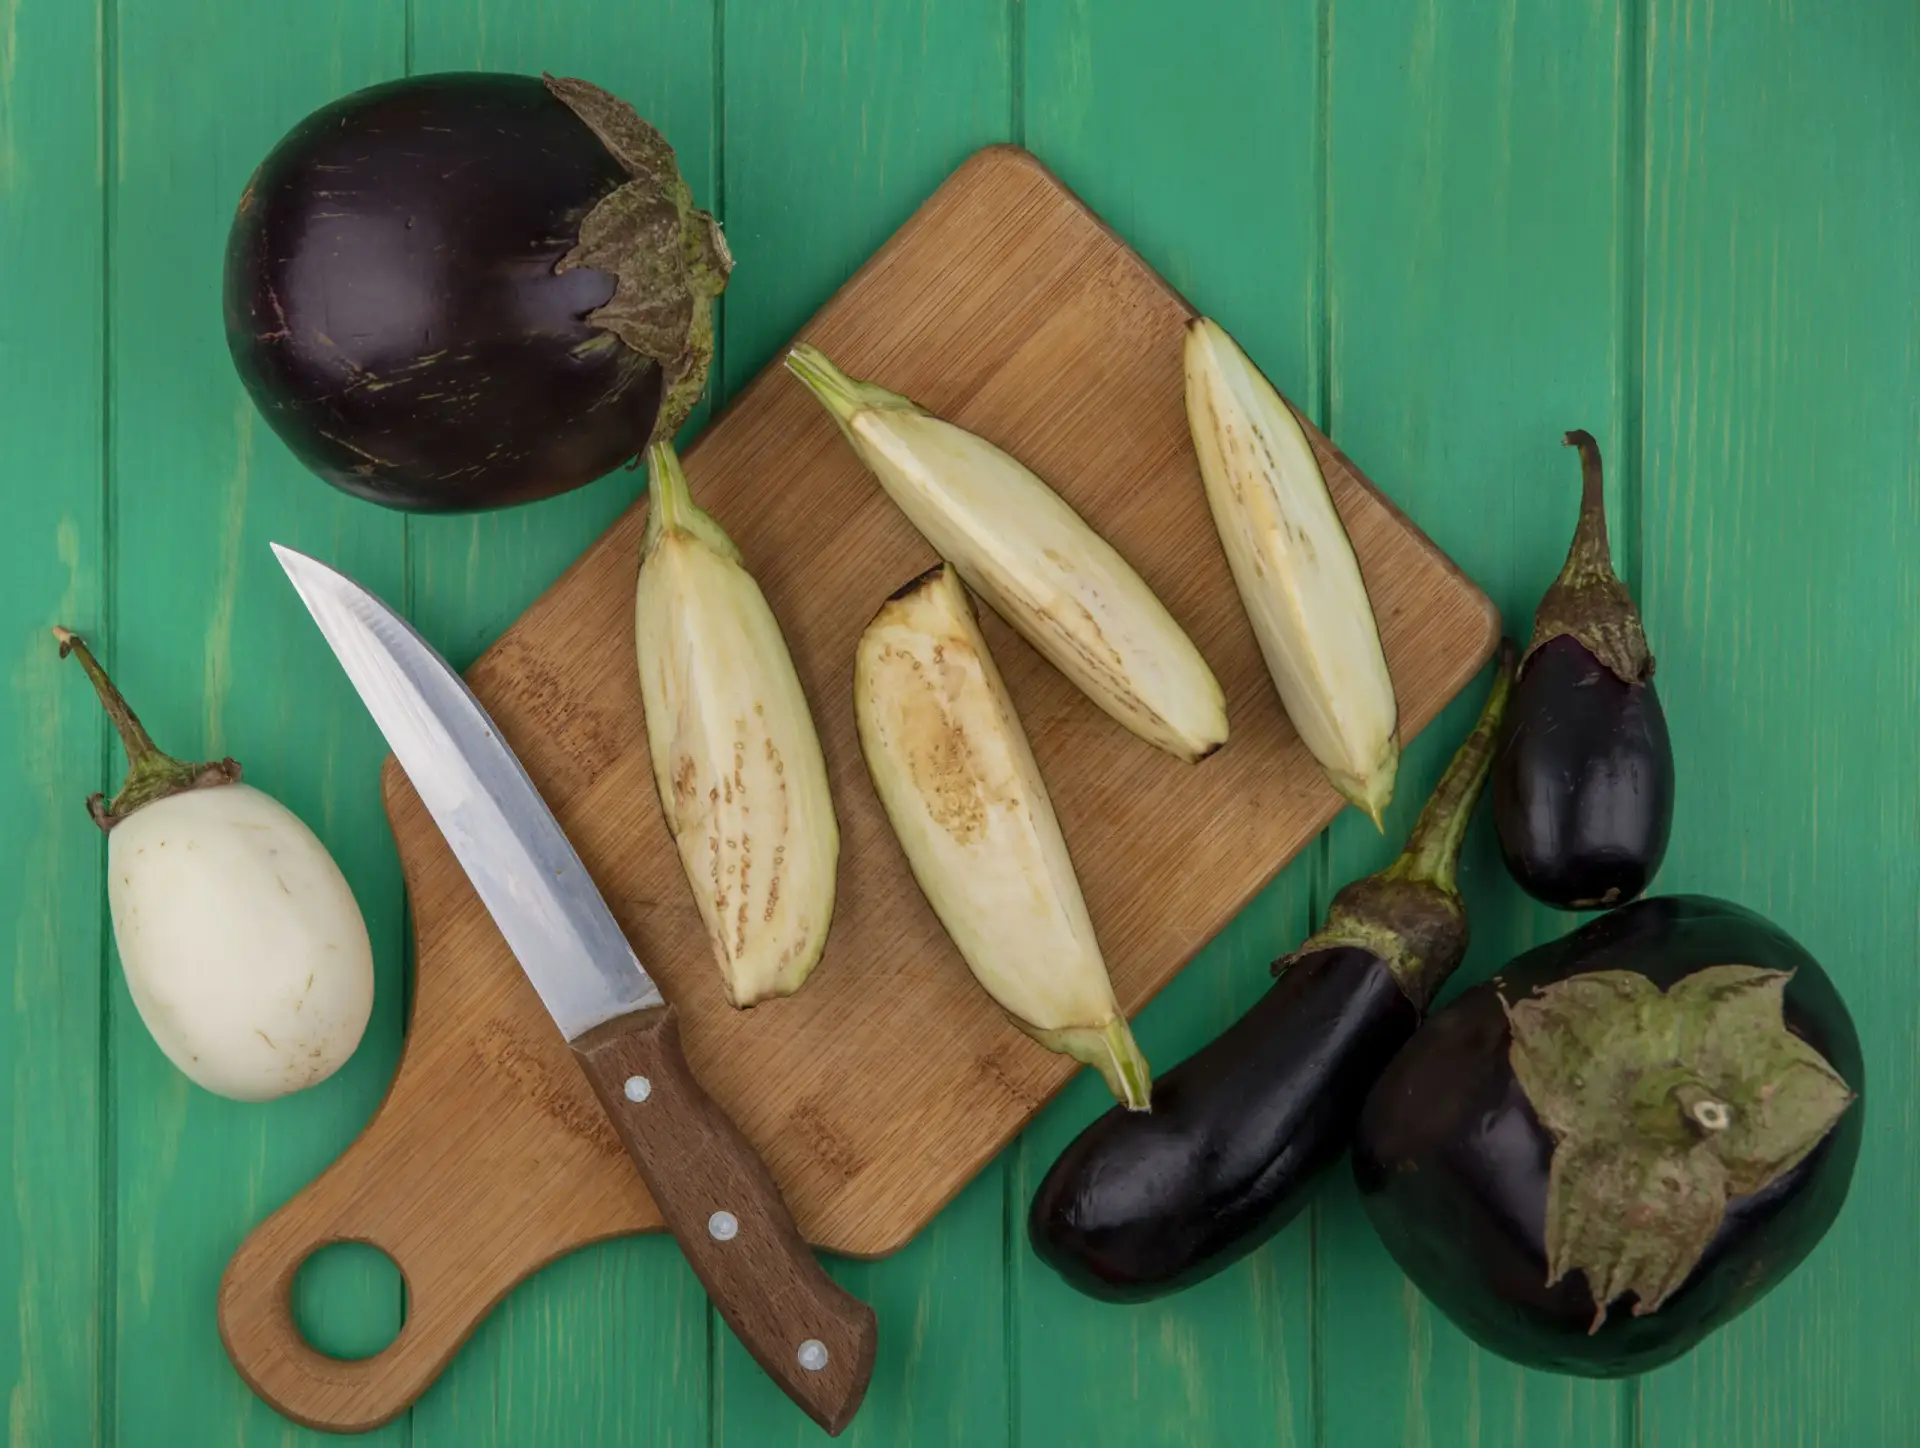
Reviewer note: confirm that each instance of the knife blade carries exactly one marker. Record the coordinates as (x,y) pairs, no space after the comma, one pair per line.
(718,1198)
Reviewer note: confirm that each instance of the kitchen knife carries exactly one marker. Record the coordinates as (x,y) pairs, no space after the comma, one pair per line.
(721,1203)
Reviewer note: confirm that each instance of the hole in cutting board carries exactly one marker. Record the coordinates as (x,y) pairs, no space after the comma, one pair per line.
(346,1300)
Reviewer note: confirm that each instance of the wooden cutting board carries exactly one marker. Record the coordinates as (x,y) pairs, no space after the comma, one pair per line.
(879,1090)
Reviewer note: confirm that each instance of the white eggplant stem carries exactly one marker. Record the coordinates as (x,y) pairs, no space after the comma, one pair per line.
(1034,560)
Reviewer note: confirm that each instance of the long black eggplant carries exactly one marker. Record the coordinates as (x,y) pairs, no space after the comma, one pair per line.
(1582,791)
(1661,1106)
(1142,1204)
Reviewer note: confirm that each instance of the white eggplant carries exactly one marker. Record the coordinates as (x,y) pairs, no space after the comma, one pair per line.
(957,778)
(1294,568)
(1035,561)
(736,759)
(242,945)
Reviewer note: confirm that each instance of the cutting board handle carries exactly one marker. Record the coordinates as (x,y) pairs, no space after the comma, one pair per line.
(448,1295)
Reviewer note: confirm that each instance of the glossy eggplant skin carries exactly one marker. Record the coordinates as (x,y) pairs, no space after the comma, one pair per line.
(1582,782)
(1144,1204)
(392,306)
(1452,1162)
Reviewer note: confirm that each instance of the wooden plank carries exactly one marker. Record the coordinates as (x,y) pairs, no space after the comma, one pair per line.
(840,118)
(1478,183)
(218,655)
(51,733)
(1229,1361)
(1782,410)
(609,1344)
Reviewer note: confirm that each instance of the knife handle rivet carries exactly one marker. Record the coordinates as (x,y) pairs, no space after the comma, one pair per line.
(638,1088)
(723,1226)
(813,1355)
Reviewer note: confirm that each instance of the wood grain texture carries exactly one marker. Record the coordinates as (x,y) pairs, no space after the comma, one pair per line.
(1476,183)
(1223,204)
(609,1344)
(1782,521)
(56,1290)
(1054,340)
(218,656)
(895,97)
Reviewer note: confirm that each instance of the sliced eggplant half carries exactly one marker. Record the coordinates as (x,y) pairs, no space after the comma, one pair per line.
(952,766)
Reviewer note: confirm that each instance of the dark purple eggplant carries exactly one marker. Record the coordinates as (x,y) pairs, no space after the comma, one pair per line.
(1662,1106)
(1142,1204)
(1582,792)
(466,291)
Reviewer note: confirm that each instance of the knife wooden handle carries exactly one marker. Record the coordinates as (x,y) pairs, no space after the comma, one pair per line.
(808,1333)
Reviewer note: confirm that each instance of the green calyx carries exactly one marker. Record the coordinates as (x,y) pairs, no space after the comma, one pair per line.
(1663,1107)
(667,256)
(1588,602)
(843,397)
(151,775)
(671,509)
(1410,914)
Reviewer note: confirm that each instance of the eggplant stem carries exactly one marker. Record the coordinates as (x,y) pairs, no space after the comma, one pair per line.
(824,380)
(151,775)
(841,395)
(1109,1049)
(1118,1059)
(1432,854)
(133,734)
(669,497)
(1587,601)
(1705,1112)
(670,507)
(1410,914)
(1590,556)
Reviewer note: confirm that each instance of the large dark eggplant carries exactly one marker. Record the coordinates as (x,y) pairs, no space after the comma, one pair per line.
(1582,791)
(1663,1105)
(1142,1204)
(465,291)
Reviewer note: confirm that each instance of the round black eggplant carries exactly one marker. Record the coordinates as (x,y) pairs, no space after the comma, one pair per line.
(1143,1204)
(1582,791)
(1452,1161)
(1583,780)
(396,303)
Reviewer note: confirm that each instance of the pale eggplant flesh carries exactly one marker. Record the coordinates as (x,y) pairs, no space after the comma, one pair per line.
(737,762)
(1033,559)
(1294,568)
(956,775)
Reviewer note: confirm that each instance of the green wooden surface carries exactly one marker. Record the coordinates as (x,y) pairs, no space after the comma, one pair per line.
(1452,232)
